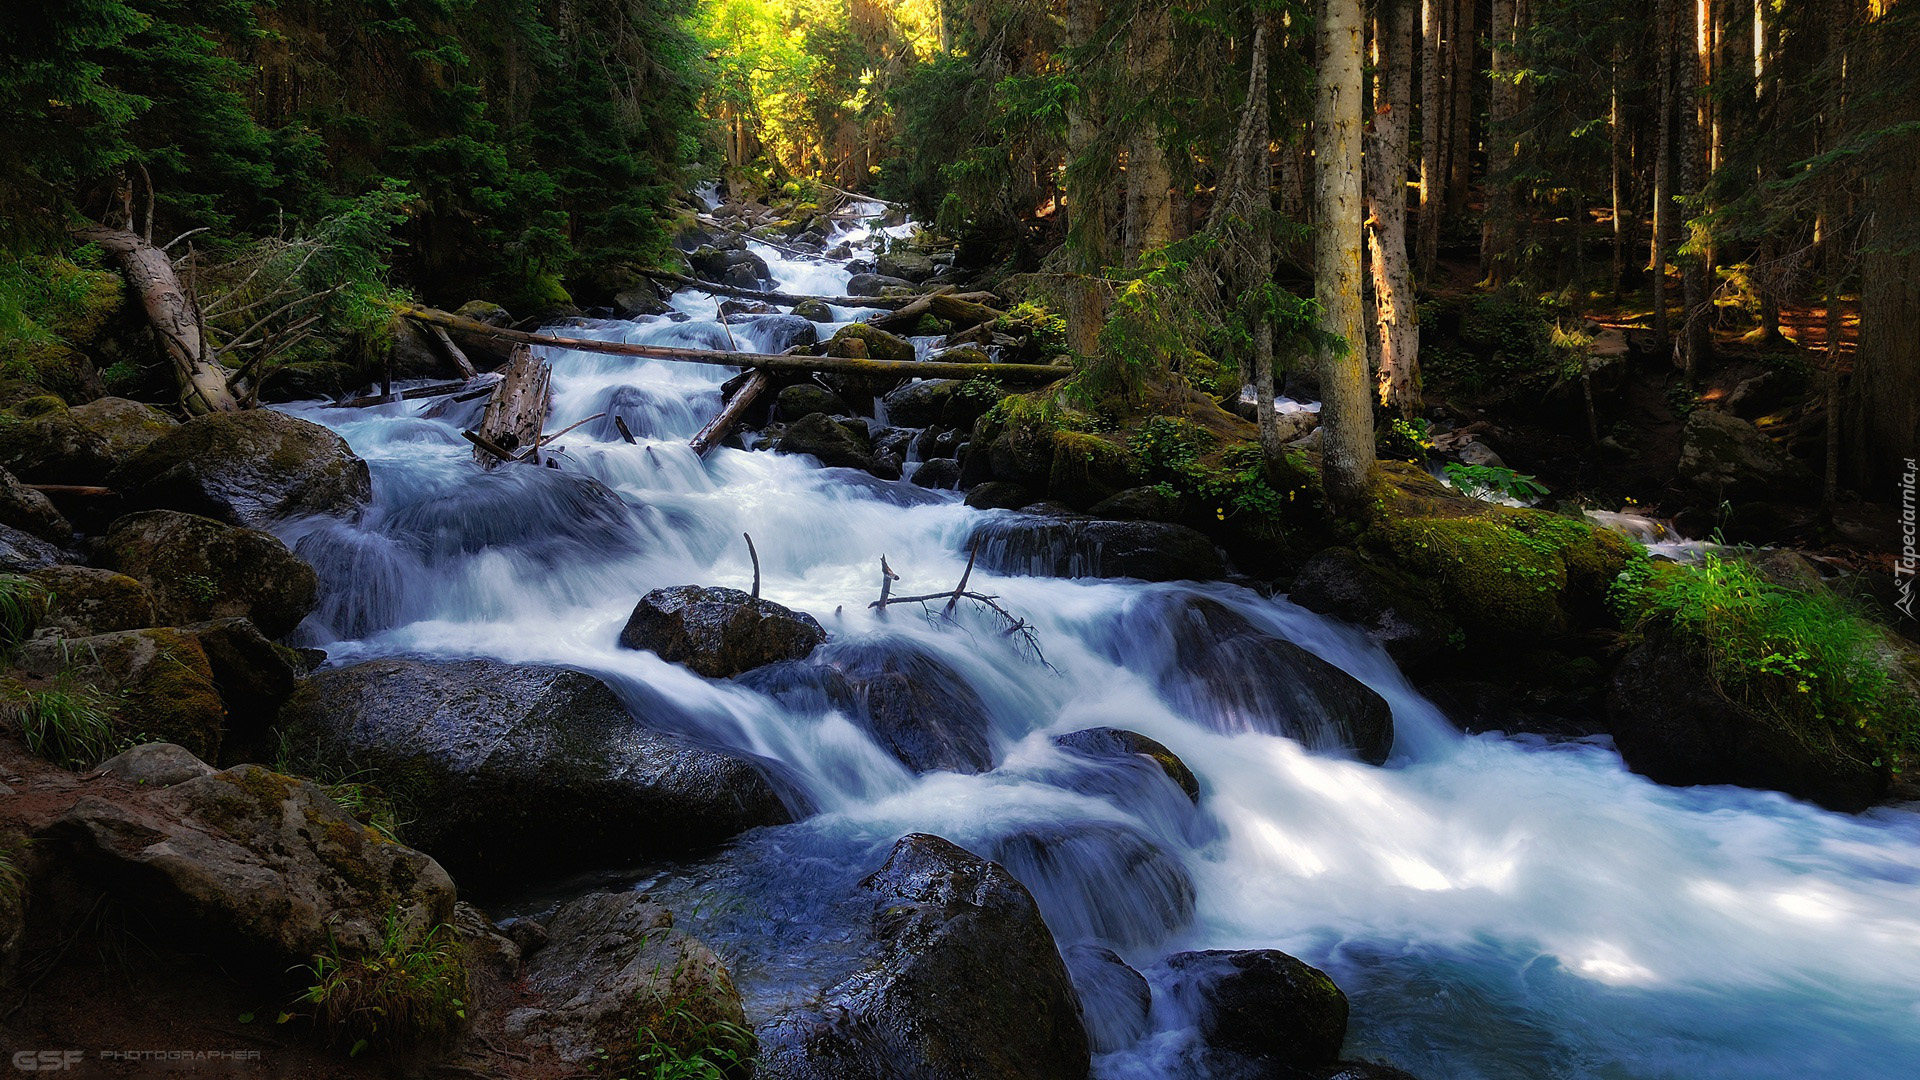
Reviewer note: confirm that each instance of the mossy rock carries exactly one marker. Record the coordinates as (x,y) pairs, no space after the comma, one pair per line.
(1087,469)
(157,679)
(58,367)
(30,511)
(201,569)
(880,345)
(814,311)
(1518,574)
(86,600)
(801,399)
(126,427)
(254,468)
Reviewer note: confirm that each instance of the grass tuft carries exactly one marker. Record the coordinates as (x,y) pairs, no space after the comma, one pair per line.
(407,992)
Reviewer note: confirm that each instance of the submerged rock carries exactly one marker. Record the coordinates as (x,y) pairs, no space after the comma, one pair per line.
(1260,1004)
(1673,726)
(508,771)
(613,965)
(251,857)
(1115,1000)
(1049,546)
(819,435)
(1113,743)
(719,632)
(253,468)
(1099,881)
(914,704)
(962,982)
(199,568)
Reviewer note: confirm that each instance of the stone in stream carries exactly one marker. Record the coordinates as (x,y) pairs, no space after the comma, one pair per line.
(1385,602)
(1117,743)
(836,445)
(1141,504)
(938,473)
(777,333)
(253,859)
(255,468)
(511,771)
(199,568)
(1219,669)
(879,345)
(1040,545)
(961,981)
(817,311)
(867,284)
(796,401)
(997,495)
(22,553)
(910,266)
(719,632)
(914,704)
(1260,1004)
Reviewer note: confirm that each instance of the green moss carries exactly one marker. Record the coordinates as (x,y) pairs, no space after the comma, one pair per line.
(1490,575)
(175,699)
(880,344)
(42,405)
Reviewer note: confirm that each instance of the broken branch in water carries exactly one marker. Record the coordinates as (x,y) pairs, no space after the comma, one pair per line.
(1011,625)
(755,556)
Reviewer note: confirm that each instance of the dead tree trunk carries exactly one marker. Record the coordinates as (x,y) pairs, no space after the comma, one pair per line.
(517,411)
(718,428)
(174,317)
(1386,186)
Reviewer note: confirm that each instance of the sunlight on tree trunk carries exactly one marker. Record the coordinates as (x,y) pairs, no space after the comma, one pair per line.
(1346,405)
(1386,184)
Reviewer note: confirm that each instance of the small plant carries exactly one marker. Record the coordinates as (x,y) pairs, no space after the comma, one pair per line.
(68,723)
(200,587)
(23,601)
(1681,401)
(678,1042)
(405,993)
(1493,479)
(1409,440)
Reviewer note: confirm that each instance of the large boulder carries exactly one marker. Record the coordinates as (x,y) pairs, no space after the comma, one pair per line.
(253,858)
(920,403)
(801,399)
(86,600)
(719,632)
(254,675)
(1221,670)
(156,683)
(1099,881)
(1389,605)
(911,266)
(1115,1000)
(254,468)
(1672,725)
(507,771)
(1725,457)
(961,982)
(1260,1004)
(875,284)
(1048,546)
(22,553)
(80,445)
(199,569)
(29,511)
(914,704)
(612,967)
(777,333)
(727,261)
(875,343)
(834,443)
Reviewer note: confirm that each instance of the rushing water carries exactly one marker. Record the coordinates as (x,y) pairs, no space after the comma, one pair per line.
(1494,907)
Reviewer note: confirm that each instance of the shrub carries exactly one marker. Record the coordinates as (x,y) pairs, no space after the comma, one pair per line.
(1791,655)
(407,992)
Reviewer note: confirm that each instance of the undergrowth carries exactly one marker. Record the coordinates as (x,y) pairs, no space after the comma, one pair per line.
(410,990)
(679,1042)
(67,722)
(1794,656)
(1185,460)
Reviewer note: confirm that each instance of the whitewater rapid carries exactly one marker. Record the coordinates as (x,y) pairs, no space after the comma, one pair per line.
(1494,907)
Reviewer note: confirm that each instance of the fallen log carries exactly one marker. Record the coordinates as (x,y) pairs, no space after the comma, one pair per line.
(174,316)
(436,390)
(459,358)
(832,365)
(717,429)
(904,318)
(517,411)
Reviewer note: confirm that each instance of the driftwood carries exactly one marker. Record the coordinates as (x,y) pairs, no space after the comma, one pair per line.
(173,315)
(1012,626)
(625,431)
(71,489)
(516,412)
(717,429)
(832,365)
(459,358)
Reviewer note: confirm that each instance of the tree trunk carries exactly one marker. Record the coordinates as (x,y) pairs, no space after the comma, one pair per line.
(1149,205)
(1386,186)
(1460,173)
(174,316)
(1089,218)
(1614,166)
(1663,38)
(1346,410)
(1433,133)
(1696,303)
(1497,226)
(517,411)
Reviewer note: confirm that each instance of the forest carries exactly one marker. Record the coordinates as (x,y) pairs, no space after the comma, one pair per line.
(987,539)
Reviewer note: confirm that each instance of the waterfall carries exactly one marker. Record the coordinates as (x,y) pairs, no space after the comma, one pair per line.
(1495,907)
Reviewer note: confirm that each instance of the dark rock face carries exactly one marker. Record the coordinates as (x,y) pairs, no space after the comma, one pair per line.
(834,444)
(609,962)
(914,705)
(918,404)
(963,983)
(1105,743)
(1100,881)
(254,675)
(941,474)
(29,511)
(1673,727)
(998,495)
(1220,669)
(1261,1004)
(1724,457)
(264,860)
(1115,999)
(873,284)
(22,553)
(509,771)
(727,260)
(1049,546)
(800,399)
(778,333)
(253,468)
(719,632)
(199,568)
(81,445)
(1340,583)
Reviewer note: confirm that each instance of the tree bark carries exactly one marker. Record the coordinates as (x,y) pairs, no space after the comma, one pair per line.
(1497,226)
(728,417)
(1346,411)
(1149,204)
(1663,37)
(1460,172)
(1089,220)
(1386,188)
(1433,128)
(517,410)
(174,317)
(1696,302)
